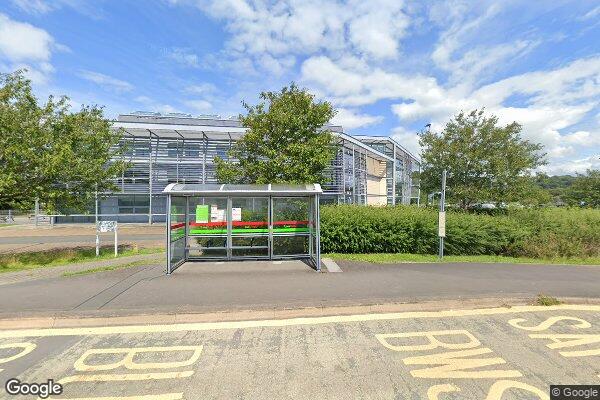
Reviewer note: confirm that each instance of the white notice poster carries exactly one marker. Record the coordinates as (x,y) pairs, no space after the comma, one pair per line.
(442,224)
(236,213)
(214,217)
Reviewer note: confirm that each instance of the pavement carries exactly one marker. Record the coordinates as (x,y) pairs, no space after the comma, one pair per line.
(495,353)
(265,285)
(9,278)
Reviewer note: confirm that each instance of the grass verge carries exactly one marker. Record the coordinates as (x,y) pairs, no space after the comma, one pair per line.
(104,269)
(543,300)
(389,258)
(52,258)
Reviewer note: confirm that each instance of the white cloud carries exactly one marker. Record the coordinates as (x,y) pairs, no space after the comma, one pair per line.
(351,53)
(107,82)
(571,167)
(593,13)
(357,85)
(376,28)
(460,51)
(183,56)
(583,138)
(143,99)
(556,99)
(408,139)
(201,106)
(24,46)
(33,6)
(270,34)
(166,108)
(151,104)
(350,119)
(202,89)
(41,7)
(21,41)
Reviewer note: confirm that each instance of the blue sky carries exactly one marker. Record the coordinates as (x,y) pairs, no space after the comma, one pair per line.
(388,66)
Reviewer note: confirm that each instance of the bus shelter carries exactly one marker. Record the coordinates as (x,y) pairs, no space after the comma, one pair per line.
(237,222)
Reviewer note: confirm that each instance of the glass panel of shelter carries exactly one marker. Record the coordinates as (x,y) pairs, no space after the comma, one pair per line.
(291,227)
(177,231)
(207,227)
(243,227)
(250,227)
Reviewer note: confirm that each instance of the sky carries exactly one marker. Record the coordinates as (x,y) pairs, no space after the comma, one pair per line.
(389,67)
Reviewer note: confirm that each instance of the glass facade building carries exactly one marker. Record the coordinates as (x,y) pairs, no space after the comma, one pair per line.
(173,148)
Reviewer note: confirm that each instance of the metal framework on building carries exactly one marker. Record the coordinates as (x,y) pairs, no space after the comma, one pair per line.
(236,222)
(403,187)
(175,149)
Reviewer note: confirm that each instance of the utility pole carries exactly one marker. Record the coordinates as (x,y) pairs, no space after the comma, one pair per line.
(442,216)
(37,210)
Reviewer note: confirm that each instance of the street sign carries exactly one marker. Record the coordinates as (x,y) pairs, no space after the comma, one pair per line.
(106,226)
(103,227)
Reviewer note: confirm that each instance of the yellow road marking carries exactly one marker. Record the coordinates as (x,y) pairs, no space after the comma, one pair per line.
(128,362)
(209,326)
(433,393)
(581,323)
(432,336)
(126,377)
(561,341)
(499,387)
(453,365)
(166,396)
(27,348)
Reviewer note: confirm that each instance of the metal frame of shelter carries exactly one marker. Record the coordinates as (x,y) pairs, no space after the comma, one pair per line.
(237,222)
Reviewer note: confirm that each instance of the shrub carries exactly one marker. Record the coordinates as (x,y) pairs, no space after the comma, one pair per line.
(542,233)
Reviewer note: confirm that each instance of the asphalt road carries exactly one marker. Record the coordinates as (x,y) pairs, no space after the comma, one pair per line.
(78,238)
(210,286)
(504,353)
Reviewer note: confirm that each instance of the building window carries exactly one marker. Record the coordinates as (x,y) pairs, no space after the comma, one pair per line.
(172,149)
(133,204)
(192,150)
(141,149)
(221,151)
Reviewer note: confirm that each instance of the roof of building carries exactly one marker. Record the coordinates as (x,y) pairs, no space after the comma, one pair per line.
(211,120)
(186,126)
(242,190)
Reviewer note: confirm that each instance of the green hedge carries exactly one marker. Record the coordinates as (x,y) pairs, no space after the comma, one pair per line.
(545,233)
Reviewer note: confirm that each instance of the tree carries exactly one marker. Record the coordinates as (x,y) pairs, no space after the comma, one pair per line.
(585,189)
(484,161)
(557,186)
(49,153)
(285,141)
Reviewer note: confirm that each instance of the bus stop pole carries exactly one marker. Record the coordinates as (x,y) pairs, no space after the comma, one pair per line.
(442,216)
(116,240)
(37,210)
